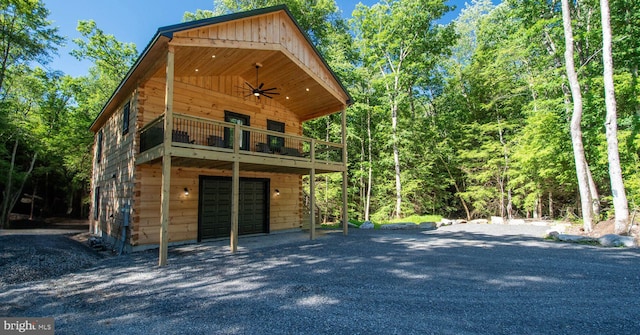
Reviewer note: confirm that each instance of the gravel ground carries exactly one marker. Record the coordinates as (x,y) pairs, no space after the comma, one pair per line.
(39,256)
(463,279)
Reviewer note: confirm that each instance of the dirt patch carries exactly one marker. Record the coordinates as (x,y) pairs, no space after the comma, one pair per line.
(600,229)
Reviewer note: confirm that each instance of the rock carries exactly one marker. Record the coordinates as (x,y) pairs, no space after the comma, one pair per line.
(366,225)
(576,238)
(428,225)
(446,222)
(479,221)
(613,240)
(497,220)
(516,221)
(552,234)
(400,225)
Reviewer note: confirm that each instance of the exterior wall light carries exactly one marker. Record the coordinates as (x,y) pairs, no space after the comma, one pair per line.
(277,192)
(186,191)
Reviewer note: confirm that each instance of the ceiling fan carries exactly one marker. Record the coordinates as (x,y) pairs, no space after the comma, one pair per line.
(258,91)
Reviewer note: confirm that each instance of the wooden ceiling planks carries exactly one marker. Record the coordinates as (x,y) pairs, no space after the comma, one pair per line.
(244,39)
(289,63)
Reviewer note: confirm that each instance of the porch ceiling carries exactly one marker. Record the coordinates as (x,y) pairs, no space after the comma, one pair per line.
(299,91)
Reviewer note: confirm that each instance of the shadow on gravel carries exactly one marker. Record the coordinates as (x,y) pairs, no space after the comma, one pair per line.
(368,282)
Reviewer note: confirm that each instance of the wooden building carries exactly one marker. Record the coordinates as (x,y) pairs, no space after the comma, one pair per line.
(203,137)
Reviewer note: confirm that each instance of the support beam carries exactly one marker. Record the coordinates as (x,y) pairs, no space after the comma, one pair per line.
(166,161)
(235,190)
(312,200)
(235,205)
(312,191)
(345,207)
(164,209)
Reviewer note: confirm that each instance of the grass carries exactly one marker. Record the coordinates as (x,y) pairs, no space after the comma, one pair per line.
(417,219)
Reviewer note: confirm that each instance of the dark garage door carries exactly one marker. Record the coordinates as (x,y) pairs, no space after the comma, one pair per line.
(215,207)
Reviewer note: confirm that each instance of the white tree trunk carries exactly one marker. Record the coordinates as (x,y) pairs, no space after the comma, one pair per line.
(595,197)
(620,204)
(576,118)
(396,157)
(367,205)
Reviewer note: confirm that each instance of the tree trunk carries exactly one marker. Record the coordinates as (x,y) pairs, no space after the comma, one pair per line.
(620,204)
(16,195)
(595,197)
(396,157)
(33,201)
(550,205)
(509,204)
(540,215)
(370,172)
(576,118)
(6,193)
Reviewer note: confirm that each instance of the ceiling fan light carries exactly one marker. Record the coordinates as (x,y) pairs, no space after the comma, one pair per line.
(256,94)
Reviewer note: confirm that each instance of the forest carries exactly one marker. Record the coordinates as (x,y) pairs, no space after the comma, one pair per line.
(474,118)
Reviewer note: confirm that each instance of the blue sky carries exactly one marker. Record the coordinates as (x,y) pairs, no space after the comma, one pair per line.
(137,21)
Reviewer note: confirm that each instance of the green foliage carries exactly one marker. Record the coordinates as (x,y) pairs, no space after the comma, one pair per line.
(27,36)
(417,219)
(477,110)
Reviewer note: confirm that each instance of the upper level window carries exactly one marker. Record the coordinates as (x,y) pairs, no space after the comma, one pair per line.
(125,118)
(96,203)
(99,147)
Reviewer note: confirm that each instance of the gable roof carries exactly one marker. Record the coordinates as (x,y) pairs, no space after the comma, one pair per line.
(157,48)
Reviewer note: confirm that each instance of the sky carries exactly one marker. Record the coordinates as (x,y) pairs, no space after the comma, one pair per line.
(137,21)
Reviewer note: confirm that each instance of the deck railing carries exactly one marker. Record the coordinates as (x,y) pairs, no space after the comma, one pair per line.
(200,133)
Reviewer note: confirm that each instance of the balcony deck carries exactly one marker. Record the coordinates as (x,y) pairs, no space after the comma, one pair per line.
(204,143)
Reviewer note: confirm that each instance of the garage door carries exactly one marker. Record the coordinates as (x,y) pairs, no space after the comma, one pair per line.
(215,207)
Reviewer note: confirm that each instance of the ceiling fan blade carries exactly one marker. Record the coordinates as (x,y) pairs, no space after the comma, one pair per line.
(261,84)
(251,87)
(272,93)
(264,95)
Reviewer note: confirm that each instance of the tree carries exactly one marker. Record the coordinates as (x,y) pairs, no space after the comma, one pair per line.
(611,125)
(402,42)
(26,37)
(576,132)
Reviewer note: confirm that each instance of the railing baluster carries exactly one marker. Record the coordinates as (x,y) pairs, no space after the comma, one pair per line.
(213,133)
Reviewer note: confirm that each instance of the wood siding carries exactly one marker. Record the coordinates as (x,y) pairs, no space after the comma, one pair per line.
(114,172)
(198,98)
(285,210)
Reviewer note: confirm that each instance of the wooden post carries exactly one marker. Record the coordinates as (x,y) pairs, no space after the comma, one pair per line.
(312,200)
(235,189)
(345,214)
(166,161)
(312,190)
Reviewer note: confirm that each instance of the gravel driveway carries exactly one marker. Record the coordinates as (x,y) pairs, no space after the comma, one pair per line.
(460,280)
